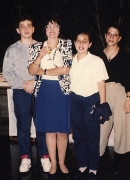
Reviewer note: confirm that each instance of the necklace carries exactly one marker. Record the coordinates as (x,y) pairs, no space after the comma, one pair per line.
(50,53)
(50,48)
(110,56)
(54,54)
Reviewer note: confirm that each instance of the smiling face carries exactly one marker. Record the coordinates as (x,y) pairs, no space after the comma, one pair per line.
(82,43)
(52,30)
(25,29)
(112,36)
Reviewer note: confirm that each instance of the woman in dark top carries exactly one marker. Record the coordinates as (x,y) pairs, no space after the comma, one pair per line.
(117,63)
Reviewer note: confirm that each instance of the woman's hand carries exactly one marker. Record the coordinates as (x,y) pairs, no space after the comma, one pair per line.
(34,66)
(43,52)
(28,86)
(127,105)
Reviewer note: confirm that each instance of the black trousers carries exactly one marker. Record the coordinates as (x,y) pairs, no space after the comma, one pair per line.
(85,129)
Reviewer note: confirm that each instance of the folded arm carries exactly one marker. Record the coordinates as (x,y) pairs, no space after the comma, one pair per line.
(28,86)
(9,69)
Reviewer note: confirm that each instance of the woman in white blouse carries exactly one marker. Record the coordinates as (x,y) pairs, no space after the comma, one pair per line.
(52,62)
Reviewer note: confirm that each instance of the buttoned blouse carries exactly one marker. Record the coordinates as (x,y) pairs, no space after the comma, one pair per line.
(86,73)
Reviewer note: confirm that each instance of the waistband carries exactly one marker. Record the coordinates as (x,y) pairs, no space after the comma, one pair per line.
(111,84)
(49,77)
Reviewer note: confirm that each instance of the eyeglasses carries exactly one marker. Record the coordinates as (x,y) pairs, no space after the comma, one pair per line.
(112,35)
(52,26)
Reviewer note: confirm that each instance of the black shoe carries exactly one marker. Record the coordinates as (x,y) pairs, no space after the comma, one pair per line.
(52,176)
(64,175)
(92,176)
(116,169)
(102,159)
(80,174)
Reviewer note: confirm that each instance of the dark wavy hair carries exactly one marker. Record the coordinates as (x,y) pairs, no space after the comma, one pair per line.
(116,26)
(24,17)
(53,18)
(86,32)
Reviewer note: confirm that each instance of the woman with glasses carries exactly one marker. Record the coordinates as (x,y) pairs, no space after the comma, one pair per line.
(51,60)
(117,63)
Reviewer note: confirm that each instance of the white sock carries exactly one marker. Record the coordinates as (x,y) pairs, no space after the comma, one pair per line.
(82,169)
(94,171)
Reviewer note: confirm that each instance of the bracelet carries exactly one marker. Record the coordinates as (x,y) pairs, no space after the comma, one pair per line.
(45,71)
(128,96)
(36,64)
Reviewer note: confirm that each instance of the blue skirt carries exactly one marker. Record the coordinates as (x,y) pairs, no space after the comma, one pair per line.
(52,108)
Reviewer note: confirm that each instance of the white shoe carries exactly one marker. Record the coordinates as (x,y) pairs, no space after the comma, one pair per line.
(25,165)
(71,139)
(45,163)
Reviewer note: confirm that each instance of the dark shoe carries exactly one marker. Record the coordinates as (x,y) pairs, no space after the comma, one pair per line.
(52,176)
(102,159)
(64,175)
(80,174)
(92,176)
(116,169)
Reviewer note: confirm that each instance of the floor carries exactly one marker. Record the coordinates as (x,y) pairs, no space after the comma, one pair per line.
(9,161)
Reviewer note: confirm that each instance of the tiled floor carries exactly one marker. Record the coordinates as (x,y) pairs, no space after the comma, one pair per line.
(9,161)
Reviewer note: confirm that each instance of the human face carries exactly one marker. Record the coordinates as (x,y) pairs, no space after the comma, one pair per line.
(25,29)
(112,36)
(52,30)
(82,43)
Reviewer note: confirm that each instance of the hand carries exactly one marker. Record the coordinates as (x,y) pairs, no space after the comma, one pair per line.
(127,106)
(43,52)
(28,86)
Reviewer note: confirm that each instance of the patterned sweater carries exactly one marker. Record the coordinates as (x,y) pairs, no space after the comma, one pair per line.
(65,48)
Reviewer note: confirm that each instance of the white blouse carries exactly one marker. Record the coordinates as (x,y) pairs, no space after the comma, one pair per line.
(49,62)
(85,74)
